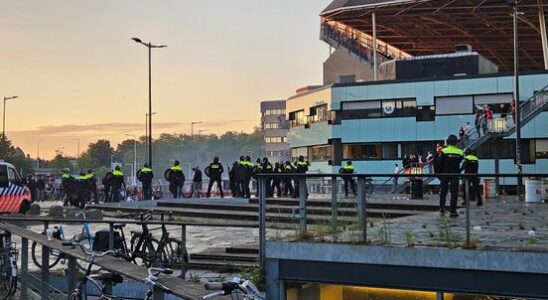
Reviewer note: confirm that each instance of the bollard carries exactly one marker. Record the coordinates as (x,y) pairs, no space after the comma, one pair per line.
(24,267)
(262,220)
(71,274)
(302,205)
(361,201)
(334,208)
(44,288)
(467,200)
(184,266)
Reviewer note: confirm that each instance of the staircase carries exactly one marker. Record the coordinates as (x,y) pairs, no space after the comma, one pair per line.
(529,109)
(358,43)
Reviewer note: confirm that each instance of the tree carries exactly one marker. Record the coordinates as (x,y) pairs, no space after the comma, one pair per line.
(15,156)
(98,154)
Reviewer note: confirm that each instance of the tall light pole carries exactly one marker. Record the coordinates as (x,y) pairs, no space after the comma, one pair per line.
(192,127)
(517,116)
(134,169)
(4,150)
(146,126)
(149,45)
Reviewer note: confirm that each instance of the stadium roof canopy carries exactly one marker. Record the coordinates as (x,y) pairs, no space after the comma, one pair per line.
(422,27)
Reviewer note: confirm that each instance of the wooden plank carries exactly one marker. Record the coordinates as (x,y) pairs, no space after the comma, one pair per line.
(179,287)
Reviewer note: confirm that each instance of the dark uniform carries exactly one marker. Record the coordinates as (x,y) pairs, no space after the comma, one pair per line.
(117,182)
(278,169)
(145,176)
(241,174)
(233,179)
(107,184)
(82,190)
(448,162)
(266,167)
(69,185)
(470,165)
(215,171)
(92,185)
(288,183)
(301,167)
(175,177)
(347,170)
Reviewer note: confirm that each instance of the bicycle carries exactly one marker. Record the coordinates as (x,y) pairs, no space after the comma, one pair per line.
(8,266)
(236,289)
(105,280)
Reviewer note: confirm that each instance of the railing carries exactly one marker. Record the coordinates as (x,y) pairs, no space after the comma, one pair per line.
(310,225)
(359,43)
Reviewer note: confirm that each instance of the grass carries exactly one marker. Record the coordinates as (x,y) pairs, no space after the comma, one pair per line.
(446,234)
(409,238)
(384,233)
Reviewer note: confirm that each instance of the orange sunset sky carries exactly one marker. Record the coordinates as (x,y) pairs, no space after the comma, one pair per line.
(80,77)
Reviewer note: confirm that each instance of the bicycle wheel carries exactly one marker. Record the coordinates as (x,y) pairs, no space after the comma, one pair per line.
(82,264)
(8,283)
(54,256)
(150,255)
(172,253)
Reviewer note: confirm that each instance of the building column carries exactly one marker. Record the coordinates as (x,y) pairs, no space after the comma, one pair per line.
(374,21)
(542,25)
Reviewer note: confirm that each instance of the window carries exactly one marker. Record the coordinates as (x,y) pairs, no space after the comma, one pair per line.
(297,118)
(507,150)
(426,113)
(389,151)
(271,125)
(399,108)
(318,114)
(296,152)
(361,110)
(13,176)
(4,174)
(275,139)
(347,78)
(541,149)
(362,152)
(274,112)
(320,153)
(454,105)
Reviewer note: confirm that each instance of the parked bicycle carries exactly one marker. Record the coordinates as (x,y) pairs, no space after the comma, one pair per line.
(236,289)
(108,279)
(8,266)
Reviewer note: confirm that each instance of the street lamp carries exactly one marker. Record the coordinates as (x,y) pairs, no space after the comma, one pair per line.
(517,113)
(4,126)
(192,127)
(134,169)
(149,46)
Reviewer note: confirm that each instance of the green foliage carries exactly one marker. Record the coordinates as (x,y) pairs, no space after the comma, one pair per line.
(15,156)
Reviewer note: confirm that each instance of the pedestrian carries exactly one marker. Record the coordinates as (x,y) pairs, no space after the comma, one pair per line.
(40,188)
(116,183)
(429,161)
(396,173)
(232,179)
(145,176)
(197,182)
(406,163)
(276,181)
(69,186)
(477,123)
(470,165)
(267,168)
(241,174)
(31,185)
(504,108)
(215,173)
(175,176)
(461,137)
(107,186)
(488,117)
(513,110)
(92,185)
(449,163)
(82,190)
(347,171)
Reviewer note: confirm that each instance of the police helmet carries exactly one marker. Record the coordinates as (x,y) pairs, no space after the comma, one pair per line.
(451,140)
(349,162)
(66,170)
(216,159)
(117,168)
(301,157)
(147,165)
(176,163)
(82,173)
(248,158)
(469,151)
(90,171)
(242,157)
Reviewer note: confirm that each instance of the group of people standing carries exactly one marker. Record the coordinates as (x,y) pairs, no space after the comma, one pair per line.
(78,191)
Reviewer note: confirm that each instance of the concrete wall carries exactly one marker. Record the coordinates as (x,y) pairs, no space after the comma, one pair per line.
(343,63)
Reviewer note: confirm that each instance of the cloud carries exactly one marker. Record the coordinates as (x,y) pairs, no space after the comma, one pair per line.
(103,129)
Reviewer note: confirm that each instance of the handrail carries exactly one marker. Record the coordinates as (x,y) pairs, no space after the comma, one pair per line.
(365,175)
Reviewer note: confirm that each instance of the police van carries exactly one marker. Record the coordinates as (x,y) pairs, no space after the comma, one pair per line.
(14,196)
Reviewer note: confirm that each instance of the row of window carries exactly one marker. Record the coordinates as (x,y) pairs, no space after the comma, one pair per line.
(275,139)
(274,112)
(531,150)
(271,125)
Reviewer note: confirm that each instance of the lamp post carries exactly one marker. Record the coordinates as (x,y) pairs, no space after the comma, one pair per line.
(38,156)
(134,168)
(192,127)
(4,150)
(517,116)
(149,46)
(146,127)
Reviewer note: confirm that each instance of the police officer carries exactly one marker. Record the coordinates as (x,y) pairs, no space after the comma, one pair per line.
(301,167)
(117,182)
(266,167)
(82,190)
(107,184)
(68,183)
(288,184)
(215,171)
(175,177)
(92,185)
(233,179)
(448,162)
(470,165)
(241,172)
(348,170)
(278,169)
(145,176)
(248,171)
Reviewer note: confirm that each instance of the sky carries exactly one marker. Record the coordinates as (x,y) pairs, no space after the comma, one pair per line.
(79,77)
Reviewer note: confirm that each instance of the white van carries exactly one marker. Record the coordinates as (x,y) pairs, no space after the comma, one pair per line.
(14,196)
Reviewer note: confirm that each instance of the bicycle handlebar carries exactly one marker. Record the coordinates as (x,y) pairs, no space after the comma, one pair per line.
(115,253)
